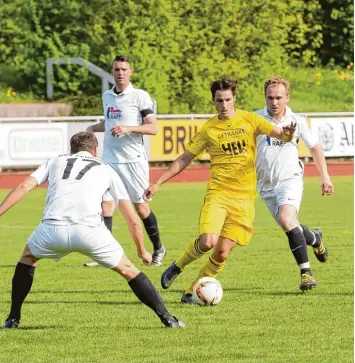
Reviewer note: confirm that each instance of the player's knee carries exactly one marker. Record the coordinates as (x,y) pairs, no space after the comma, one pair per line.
(126,269)
(108,208)
(142,210)
(221,255)
(287,221)
(223,249)
(27,258)
(207,242)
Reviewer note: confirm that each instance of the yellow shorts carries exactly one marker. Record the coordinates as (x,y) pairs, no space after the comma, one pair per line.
(228,218)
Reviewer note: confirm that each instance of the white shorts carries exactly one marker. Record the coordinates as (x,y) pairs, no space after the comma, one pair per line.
(135,177)
(288,192)
(54,241)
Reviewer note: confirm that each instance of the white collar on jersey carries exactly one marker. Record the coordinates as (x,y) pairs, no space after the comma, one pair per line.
(83,153)
(288,113)
(128,89)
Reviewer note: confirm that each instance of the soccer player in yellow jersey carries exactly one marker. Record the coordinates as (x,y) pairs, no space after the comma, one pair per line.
(228,210)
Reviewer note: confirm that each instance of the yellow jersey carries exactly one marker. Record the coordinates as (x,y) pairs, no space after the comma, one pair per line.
(232,147)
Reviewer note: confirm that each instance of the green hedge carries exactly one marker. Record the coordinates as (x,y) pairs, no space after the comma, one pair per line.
(177,47)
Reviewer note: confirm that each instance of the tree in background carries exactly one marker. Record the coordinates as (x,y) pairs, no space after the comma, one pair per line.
(34,30)
(177,47)
(338,32)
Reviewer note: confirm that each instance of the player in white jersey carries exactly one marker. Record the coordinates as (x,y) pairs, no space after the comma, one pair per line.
(280,177)
(72,222)
(129,115)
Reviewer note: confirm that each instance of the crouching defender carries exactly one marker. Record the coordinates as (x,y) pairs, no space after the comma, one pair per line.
(72,222)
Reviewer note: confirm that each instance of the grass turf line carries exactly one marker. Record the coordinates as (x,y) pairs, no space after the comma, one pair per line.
(78,315)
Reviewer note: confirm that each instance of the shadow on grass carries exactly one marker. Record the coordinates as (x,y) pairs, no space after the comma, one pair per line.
(75,302)
(260,291)
(41,327)
(237,289)
(81,292)
(7,266)
(284,293)
(310,293)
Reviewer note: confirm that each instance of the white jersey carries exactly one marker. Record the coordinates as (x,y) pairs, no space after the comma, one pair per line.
(278,160)
(124,109)
(76,185)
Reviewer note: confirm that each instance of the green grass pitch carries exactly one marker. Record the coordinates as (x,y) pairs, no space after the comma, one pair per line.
(79,315)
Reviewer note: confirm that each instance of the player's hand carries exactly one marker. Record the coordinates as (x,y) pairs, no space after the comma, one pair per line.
(327,187)
(119,130)
(146,257)
(150,192)
(289,130)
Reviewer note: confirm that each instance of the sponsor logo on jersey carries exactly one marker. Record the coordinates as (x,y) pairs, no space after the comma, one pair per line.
(278,142)
(233,148)
(231,134)
(232,142)
(274,142)
(113,113)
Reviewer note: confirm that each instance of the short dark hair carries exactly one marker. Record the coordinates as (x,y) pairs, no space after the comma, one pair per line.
(223,84)
(121,58)
(83,141)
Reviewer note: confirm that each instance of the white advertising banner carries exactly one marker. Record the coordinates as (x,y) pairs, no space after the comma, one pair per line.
(27,145)
(335,135)
(31,144)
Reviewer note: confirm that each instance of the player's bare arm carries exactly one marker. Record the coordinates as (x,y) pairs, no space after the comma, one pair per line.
(285,133)
(100,127)
(135,229)
(175,168)
(327,186)
(149,127)
(18,193)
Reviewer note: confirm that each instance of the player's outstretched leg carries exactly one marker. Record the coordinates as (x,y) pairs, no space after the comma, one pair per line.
(146,292)
(148,295)
(213,266)
(21,286)
(191,253)
(314,239)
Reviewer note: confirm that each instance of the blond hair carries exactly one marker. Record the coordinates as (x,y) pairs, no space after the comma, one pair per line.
(277,80)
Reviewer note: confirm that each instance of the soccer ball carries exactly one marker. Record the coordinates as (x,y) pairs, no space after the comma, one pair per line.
(207,291)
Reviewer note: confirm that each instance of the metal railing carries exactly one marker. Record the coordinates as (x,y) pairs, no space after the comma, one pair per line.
(106,78)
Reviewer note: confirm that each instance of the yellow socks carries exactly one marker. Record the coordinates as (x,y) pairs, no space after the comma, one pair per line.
(211,268)
(191,254)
